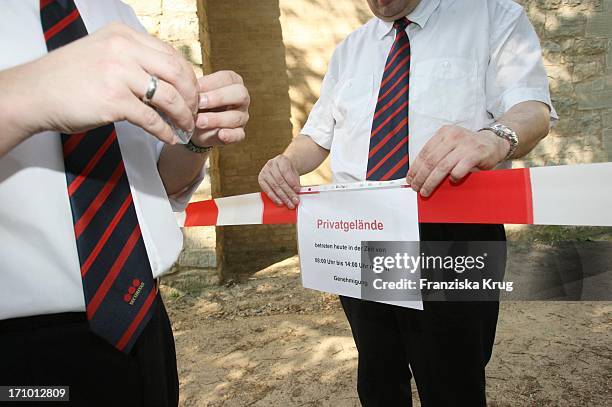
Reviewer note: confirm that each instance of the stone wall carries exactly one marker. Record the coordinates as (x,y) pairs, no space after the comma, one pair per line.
(576,40)
(174,21)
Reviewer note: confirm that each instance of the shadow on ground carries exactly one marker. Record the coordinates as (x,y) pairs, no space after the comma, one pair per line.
(266,341)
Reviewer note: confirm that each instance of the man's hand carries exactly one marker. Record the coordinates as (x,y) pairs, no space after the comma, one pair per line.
(101,79)
(223,110)
(223,113)
(280,181)
(454,151)
(280,177)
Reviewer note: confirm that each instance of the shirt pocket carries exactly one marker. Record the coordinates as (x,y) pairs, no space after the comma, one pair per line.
(445,89)
(352,99)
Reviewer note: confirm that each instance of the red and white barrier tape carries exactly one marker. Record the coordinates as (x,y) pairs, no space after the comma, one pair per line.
(561,195)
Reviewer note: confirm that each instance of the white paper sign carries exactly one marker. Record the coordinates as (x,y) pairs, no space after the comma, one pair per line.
(332,226)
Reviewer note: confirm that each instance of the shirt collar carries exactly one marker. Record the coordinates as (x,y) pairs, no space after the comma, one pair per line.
(420,15)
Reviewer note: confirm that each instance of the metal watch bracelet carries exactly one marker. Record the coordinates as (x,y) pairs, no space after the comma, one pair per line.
(506,133)
(196,149)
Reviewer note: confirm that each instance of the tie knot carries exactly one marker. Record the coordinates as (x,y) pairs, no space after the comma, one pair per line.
(401,24)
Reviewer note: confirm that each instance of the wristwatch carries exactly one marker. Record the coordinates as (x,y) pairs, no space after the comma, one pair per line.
(197,149)
(506,133)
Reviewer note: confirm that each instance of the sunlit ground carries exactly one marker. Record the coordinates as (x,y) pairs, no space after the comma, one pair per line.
(268,342)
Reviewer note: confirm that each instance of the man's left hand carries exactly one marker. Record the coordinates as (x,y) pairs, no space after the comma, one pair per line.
(223,111)
(455,151)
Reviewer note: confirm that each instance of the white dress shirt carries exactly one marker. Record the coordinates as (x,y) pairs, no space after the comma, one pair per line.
(40,271)
(471,61)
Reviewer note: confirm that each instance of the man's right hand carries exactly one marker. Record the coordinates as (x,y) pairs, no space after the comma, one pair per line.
(102,78)
(280,181)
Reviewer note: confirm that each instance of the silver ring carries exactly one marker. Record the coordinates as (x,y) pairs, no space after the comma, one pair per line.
(151,89)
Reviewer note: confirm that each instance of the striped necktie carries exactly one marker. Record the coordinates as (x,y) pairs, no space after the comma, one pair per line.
(118,285)
(388,154)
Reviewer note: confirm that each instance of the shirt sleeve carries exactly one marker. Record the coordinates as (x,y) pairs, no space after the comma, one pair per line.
(320,124)
(516,71)
(178,201)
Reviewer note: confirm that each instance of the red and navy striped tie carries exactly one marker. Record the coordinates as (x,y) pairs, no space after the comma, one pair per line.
(388,156)
(118,285)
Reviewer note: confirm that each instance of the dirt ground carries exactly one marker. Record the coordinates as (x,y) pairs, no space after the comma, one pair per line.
(269,342)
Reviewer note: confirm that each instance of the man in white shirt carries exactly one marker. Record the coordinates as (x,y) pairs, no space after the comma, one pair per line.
(425,90)
(90,173)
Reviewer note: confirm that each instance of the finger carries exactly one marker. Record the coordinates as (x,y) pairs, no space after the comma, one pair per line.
(289,174)
(231,95)
(216,137)
(167,99)
(443,168)
(277,182)
(171,67)
(231,136)
(219,80)
(463,168)
(229,119)
(441,136)
(155,43)
(269,191)
(290,183)
(416,165)
(149,120)
(288,188)
(275,186)
(141,36)
(429,164)
(207,138)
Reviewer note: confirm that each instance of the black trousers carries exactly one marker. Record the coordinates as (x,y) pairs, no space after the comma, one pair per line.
(60,350)
(445,347)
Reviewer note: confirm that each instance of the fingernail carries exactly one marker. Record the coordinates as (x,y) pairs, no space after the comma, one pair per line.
(424,193)
(203,101)
(409,179)
(278,203)
(295,200)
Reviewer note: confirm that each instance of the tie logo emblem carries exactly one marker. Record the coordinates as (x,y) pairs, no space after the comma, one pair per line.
(133,291)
